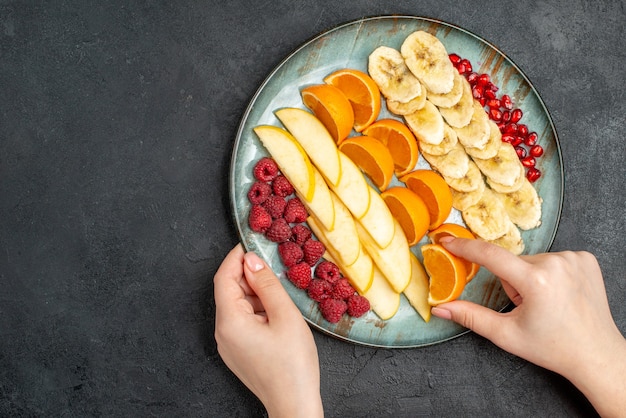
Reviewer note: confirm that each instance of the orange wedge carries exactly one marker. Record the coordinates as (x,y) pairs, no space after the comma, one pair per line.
(362,92)
(400,141)
(409,210)
(434,191)
(447,274)
(457,231)
(331,107)
(372,157)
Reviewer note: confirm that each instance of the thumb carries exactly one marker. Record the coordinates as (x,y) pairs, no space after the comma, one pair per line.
(262,280)
(482,320)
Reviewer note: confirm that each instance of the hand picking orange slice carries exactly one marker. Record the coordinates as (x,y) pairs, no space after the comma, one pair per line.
(362,92)
(331,107)
(409,210)
(372,157)
(434,191)
(457,231)
(447,274)
(400,141)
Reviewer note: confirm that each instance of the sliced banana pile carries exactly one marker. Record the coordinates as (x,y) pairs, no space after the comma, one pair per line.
(457,138)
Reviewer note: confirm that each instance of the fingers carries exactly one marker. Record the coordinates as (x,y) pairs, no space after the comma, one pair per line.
(273,296)
(226,282)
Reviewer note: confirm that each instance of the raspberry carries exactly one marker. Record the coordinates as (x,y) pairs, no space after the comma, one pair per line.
(265,169)
(342,289)
(259,192)
(258,219)
(290,253)
(313,251)
(300,275)
(295,212)
(327,270)
(279,231)
(333,309)
(358,305)
(281,186)
(300,234)
(275,206)
(319,289)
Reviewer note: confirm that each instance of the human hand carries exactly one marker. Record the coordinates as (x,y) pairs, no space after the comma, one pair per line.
(263,338)
(561,321)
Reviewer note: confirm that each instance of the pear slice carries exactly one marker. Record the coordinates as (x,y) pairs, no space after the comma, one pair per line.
(321,205)
(417,290)
(290,157)
(383,299)
(378,220)
(352,188)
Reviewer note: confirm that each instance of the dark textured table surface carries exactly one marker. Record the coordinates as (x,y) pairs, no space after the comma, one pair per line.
(117,121)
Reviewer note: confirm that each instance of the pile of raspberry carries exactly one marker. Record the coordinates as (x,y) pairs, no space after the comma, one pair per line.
(280,216)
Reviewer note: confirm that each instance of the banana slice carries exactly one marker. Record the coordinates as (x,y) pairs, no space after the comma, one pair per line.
(503,168)
(511,240)
(461,113)
(454,164)
(463,200)
(426,124)
(476,133)
(412,106)
(395,81)
(427,58)
(469,182)
(491,147)
(519,182)
(487,218)
(523,206)
(450,98)
(449,141)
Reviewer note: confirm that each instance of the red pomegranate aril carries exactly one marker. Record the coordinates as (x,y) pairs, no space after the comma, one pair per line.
(477,92)
(536,151)
(533,174)
(493,103)
(493,87)
(521,152)
(461,68)
(501,125)
(483,79)
(506,116)
(472,77)
(522,129)
(506,137)
(516,115)
(528,161)
(483,101)
(490,94)
(468,65)
(454,58)
(531,139)
(507,103)
(518,140)
(511,128)
(495,114)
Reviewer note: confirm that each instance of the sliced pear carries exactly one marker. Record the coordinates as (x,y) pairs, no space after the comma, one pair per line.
(383,299)
(321,205)
(290,157)
(359,274)
(378,220)
(417,290)
(394,261)
(352,188)
(315,139)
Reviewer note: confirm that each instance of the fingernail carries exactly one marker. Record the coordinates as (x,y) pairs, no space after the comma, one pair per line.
(253,262)
(446,239)
(441,313)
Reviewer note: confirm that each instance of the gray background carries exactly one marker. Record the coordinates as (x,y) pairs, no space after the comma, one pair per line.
(117,121)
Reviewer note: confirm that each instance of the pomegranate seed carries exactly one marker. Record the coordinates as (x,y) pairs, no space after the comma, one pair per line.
(521,152)
(477,92)
(501,125)
(536,151)
(516,115)
(517,141)
(531,139)
(493,87)
(507,103)
(528,161)
(493,103)
(468,65)
(472,77)
(511,128)
(533,174)
(495,114)
(483,101)
(490,94)
(522,130)
(508,138)
(506,116)
(461,68)
(454,58)
(483,79)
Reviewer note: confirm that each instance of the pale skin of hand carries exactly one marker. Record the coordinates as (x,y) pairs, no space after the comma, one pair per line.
(263,338)
(561,320)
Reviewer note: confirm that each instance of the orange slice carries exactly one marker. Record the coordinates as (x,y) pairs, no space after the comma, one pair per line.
(409,210)
(331,107)
(447,274)
(372,157)
(457,231)
(434,191)
(400,141)
(362,92)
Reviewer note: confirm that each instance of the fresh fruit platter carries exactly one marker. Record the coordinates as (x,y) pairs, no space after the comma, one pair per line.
(367,145)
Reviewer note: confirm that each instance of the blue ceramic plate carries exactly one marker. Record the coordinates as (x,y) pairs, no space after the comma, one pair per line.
(348,46)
